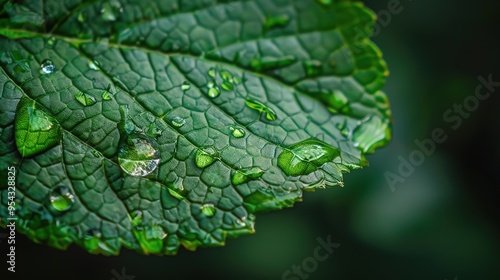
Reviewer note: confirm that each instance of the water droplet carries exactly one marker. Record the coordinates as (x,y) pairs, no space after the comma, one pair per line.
(336,100)
(213,90)
(94,65)
(177,121)
(34,130)
(270,62)
(138,155)
(305,157)
(185,86)
(276,21)
(177,189)
(50,41)
(371,133)
(47,66)
(227,86)
(236,80)
(62,199)
(313,67)
(206,156)
(211,72)
(237,132)
(246,174)
(226,76)
(261,108)
(106,95)
(85,99)
(208,209)
(81,17)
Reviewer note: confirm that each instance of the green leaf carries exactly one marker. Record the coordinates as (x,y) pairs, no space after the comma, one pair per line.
(153,125)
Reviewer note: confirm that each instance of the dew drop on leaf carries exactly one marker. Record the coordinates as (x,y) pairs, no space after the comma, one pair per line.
(62,199)
(227,86)
(94,65)
(185,86)
(139,155)
(205,156)
(306,157)
(261,108)
(237,132)
(208,209)
(85,99)
(47,66)
(177,121)
(226,76)
(213,90)
(106,95)
(246,174)
(176,189)
(211,72)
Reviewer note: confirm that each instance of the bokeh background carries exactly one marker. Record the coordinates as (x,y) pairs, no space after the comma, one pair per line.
(440,223)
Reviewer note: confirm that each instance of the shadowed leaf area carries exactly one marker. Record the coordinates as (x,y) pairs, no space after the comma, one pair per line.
(154,124)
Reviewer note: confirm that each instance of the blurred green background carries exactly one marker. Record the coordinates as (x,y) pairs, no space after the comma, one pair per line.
(440,223)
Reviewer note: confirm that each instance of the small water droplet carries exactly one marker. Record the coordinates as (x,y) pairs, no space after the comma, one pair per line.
(227,86)
(107,12)
(85,99)
(206,156)
(226,76)
(306,157)
(106,95)
(177,189)
(94,65)
(208,209)
(246,174)
(313,67)
(335,100)
(47,66)
(261,108)
(51,41)
(177,121)
(213,90)
(211,72)
(62,199)
(271,62)
(371,133)
(81,17)
(186,85)
(139,155)
(276,21)
(237,132)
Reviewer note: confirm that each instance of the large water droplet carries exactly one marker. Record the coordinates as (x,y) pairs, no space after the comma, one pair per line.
(237,132)
(371,133)
(85,99)
(47,66)
(62,199)
(208,209)
(246,174)
(306,157)
(206,156)
(276,21)
(139,155)
(261,108)
(271,62)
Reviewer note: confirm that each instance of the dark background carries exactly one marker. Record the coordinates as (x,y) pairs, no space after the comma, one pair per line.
(440,223)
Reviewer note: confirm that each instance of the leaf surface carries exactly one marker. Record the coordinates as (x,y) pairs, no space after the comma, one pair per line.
(156,124)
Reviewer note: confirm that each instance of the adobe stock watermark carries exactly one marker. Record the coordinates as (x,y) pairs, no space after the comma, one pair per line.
(122,276)
(310,264)
(454,117)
